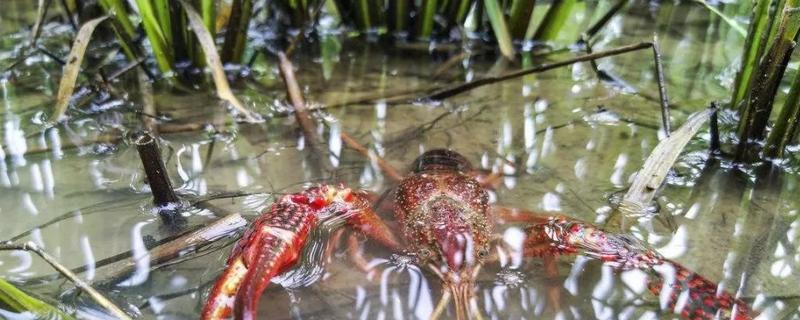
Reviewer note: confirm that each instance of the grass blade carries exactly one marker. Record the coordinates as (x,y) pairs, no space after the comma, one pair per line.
(500,29)
(73,67)
(158,42)
(732,23)
(554,20)
(213,61)
(20,301)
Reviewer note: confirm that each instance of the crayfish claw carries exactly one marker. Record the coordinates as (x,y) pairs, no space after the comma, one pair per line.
(272,245)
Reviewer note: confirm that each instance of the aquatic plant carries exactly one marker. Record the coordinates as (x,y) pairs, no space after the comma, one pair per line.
(767,51)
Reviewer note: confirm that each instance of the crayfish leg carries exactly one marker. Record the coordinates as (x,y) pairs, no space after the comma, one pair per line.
(705,299)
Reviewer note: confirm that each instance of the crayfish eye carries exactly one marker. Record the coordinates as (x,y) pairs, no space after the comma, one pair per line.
(483,253)
(424,253)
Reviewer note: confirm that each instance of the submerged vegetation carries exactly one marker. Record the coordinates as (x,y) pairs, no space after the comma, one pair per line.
(248,50)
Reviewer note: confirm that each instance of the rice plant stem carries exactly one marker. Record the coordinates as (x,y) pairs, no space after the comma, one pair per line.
(236,35)
(766,82)
(554,20)
(94,294)
(785,129)
(209,12)
(520,15)
(498,22)
(750,54)
(427,17)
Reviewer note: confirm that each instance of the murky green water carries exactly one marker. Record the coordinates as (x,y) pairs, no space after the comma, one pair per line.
(567,141)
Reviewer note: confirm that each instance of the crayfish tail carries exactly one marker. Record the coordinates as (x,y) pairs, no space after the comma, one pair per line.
(695,297)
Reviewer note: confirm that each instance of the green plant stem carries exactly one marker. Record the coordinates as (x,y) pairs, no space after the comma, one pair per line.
(750,54)
(164,19)
(554,20)
(426,18)
(164,57)
(500,29)
(209,12)
(520,15)
(236,35)
(785,129)
(766,82)
(773,25)
(400,15)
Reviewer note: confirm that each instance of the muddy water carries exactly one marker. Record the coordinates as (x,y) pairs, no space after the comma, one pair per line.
(566,141)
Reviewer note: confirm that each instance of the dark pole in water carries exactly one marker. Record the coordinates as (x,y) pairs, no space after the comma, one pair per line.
(157,178)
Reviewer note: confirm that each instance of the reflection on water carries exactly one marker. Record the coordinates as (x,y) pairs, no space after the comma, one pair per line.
(563,140)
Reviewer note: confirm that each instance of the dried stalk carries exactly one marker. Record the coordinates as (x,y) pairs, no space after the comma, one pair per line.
(654,170)
(94,294)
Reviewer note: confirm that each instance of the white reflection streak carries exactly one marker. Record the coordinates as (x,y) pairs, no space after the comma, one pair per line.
(619,169)
(179,165)
(683,298)
(36,178)
(667,273)
(197,162)
(398,305)
(385,285)
(603,288)
(49,179)
(140,256)
(529,128)
(677,246)
(548,146)
(335,143)
(571,282)
(580,168)
(27,203)
(25,261)
(88,257)
(515,238)
(498,297)
(361,294)
(55,143)
(15,140)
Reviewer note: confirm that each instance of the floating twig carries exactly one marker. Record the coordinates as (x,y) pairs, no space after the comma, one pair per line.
(461,88)
(174,248)
(301,112)
(80,284)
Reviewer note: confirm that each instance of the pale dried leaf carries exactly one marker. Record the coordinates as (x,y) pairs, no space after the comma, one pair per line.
(73,67)
(213,61)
